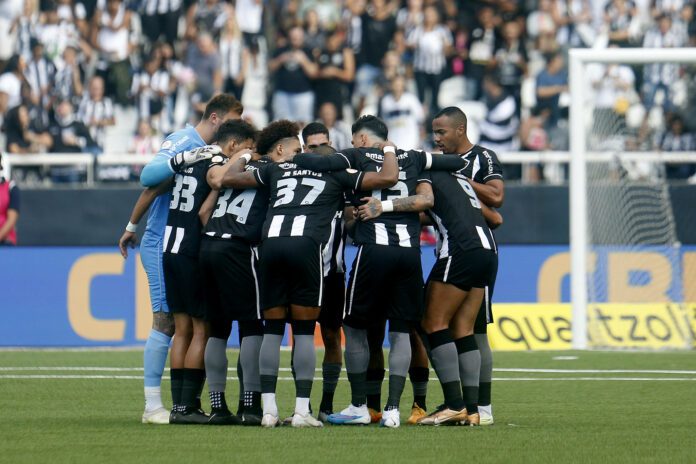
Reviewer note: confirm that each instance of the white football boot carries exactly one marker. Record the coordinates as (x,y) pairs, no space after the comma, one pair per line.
(157,416)
(390,419)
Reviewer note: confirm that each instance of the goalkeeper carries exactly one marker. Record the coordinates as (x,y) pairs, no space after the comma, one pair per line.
(184,147)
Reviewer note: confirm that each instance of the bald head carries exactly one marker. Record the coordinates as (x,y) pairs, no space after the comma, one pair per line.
(449,130)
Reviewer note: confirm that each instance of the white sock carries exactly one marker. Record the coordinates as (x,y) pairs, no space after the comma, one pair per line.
(269,404)
(153,398)
(486,410)
(302,406)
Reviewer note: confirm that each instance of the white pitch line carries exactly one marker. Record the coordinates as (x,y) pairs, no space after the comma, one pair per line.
(595,371)
(289,379)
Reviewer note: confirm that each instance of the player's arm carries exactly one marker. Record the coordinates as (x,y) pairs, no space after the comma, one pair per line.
(438,162)
(207,207)
(166,164)
(12,212)
(237,177)
(323,163)
(421,201)
(217,172)
(388,176)
(492,217)
(147,196)
(425,220)
(492,193)
(349,218)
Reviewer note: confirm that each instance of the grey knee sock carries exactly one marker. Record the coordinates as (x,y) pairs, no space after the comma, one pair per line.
(216,364)
(399,361)
(445,361)
(357,354)
(304,361)
(469,371)
(269,362)
(486,377)
(249,361)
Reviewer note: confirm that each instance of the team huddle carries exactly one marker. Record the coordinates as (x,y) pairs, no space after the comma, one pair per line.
(251,227)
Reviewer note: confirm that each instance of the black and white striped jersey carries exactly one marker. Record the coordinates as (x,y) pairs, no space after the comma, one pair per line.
(482,165)
(457,215)
(240,213)
(334,250)
(302,203)
(182,234)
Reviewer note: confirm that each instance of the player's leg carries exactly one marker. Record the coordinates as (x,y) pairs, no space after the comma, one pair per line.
(462,327)
(194,367)
(330,320)
(419,374)
(180,344)
(269,362)
(159,338)
(442,302)
(375,369)
(484,318)
(304,322)
(399,361)
(251,336)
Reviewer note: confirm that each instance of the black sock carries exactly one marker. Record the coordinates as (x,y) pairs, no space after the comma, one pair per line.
(485,393)
(240,375)
(177,379)
(374,380)
(252,402)
(194,379)
(357,388)
(419,379)
(326,404)
(217,401)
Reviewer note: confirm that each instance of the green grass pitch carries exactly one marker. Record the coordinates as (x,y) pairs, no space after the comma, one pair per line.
(599,407)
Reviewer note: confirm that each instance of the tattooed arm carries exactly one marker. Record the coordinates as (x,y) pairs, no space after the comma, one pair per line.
(421,201)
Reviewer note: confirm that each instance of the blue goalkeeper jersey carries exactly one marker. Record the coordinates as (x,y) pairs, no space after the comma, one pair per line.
(181,140)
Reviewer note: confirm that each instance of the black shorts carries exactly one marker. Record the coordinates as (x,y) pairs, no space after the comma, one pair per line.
(485,314)
(386,282)
(291,271)
(331,315)
(230,284)
(466,269)
(182,281)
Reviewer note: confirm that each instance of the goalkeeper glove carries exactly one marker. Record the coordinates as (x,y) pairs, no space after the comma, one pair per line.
(191,157)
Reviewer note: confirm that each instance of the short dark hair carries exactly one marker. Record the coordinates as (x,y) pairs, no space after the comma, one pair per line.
(223,104)
(372,124)
(314,128)
(275,132)
(237,129)
(454,114)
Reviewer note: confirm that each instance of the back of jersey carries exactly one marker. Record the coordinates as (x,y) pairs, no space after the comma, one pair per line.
(181,140)
(457,214)
(182,234)
(395,228)
(303,202)
(240,213)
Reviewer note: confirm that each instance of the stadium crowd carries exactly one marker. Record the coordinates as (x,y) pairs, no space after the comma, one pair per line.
(80,75)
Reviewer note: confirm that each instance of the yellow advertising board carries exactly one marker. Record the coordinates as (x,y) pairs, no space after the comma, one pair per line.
(547,326)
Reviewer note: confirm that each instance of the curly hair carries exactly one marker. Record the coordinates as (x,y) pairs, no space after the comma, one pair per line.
(272,134)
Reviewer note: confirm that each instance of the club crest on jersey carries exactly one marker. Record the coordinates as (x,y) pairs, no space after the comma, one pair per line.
(217,159)
(467,162)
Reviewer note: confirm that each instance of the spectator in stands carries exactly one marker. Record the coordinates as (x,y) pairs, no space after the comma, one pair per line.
(432,43)
(336,72)
(150,90)
(403,113)
(68,78)
(293,70)
(9,209)
(55,32)
(410,17)
(613,86)
(234,57)
(315,36)
(203,57)
(378,26)
(618,16)
(111,38)
(25,26)
(677,138)
(96,111)
(573,20)
(207,15)
(11,82)
(40,74)
(69,134)
(160,18)
(550,84)
(511,60)
(660,77)
(328,12)
(481,49)
(352,19)
(500,127)
(250,19)
(146,140)
(22,135)
(339,132)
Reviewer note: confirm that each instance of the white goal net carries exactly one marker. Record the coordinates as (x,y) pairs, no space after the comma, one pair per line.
(630,272)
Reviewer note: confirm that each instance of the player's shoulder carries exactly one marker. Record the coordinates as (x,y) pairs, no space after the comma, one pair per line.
(484,152)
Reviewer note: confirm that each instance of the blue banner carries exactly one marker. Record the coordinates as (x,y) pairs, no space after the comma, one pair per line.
(93,297)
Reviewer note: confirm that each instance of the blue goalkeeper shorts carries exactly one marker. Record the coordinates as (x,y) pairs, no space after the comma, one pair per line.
(151,256)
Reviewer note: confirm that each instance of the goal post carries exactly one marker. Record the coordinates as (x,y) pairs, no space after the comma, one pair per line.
(580,236)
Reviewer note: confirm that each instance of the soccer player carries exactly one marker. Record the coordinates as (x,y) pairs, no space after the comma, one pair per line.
(302,206)
(232,230)
(485,174)
(186,145)
(386,280)
(314,136)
